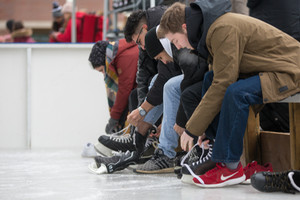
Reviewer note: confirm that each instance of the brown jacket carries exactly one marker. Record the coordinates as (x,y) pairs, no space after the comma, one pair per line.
(240,47)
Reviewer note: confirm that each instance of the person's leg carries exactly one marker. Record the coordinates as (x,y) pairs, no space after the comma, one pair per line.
(132,100)
(168,137)
(163,159)
(233,118)
(191,98)
(228,146)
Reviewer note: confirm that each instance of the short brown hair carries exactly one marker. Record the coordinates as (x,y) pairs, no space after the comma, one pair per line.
(172,20)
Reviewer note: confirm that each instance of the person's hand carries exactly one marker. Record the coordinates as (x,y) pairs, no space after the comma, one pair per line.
(157,133)
(134,118)
(53,35)
(205,143)
(178,129)
(112,123)
(186,142)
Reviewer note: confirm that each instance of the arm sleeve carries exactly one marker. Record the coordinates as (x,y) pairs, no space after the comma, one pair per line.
(66,35)
(253,3)
(181,118)
(144,75)
(165,72)
(127,71)
(227,52)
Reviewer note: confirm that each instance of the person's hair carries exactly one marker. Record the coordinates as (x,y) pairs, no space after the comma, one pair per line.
(133,22)
(18,25)
(172,20)
(9,25)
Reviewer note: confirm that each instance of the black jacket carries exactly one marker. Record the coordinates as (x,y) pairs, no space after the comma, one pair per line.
(284,14)
(147,67)
(165,72)
(193,68)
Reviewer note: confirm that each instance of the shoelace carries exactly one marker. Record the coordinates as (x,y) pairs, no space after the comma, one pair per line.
(279,182)
(120,153)
(201,160)
(122,136)
(206,158)
(188,155)
(151,141)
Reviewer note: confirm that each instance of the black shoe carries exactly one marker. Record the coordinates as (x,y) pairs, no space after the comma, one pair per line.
(288,182)
(124,142)
(200,166)
(118,162)
(108,144)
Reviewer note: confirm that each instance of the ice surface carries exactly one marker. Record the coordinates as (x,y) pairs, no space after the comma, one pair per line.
(63,174)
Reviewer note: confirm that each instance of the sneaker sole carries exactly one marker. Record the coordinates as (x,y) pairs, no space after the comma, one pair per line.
(226,183)
(187,178)
(161,171)
(103,150)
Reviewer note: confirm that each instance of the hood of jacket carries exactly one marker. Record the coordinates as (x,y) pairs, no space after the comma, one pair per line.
(197,27)
(153,15)
(25,32)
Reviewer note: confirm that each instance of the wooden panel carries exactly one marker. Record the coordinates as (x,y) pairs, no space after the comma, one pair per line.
(275,148)
(251,140)
(295,135)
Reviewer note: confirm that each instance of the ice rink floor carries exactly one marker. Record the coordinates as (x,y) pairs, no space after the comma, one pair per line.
(63,174)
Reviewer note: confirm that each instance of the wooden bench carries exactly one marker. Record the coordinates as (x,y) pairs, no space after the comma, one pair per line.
(252,139)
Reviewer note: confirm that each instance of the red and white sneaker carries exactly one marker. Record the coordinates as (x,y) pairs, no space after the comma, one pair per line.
(220,176)
(253,168)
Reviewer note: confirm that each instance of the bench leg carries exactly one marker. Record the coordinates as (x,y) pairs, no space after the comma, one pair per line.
(295,134)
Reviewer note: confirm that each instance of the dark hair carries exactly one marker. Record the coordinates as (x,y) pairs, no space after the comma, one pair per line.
(18,25)
(10,24)
(132,24)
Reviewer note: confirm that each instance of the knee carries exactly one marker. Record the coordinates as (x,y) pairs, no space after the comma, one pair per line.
(171,87)
(232,93)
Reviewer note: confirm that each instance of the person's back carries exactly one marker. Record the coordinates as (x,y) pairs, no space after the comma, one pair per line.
(284,15)
(21,34)
(66,35)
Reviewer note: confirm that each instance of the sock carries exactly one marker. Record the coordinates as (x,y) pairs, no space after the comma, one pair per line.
(232,165)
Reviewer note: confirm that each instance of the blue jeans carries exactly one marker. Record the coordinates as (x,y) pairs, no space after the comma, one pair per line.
(168,139)
(233,117)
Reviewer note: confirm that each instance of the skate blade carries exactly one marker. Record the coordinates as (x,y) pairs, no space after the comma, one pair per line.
(93,168)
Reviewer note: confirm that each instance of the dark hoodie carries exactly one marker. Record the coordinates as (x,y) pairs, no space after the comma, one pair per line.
(147,66)
(199,18)
(284,15)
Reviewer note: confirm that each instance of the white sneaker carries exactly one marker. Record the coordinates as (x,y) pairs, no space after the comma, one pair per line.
(89,151)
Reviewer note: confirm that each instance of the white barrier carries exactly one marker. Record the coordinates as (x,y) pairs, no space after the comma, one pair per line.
(50,96)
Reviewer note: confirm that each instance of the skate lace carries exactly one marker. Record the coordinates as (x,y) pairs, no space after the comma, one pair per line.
(121,153)
(151,141)
(188,155)
(122,136)
(123,131)
(203,158)
(279,182)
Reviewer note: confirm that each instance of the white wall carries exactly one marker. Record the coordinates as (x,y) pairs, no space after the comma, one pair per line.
(50,96)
